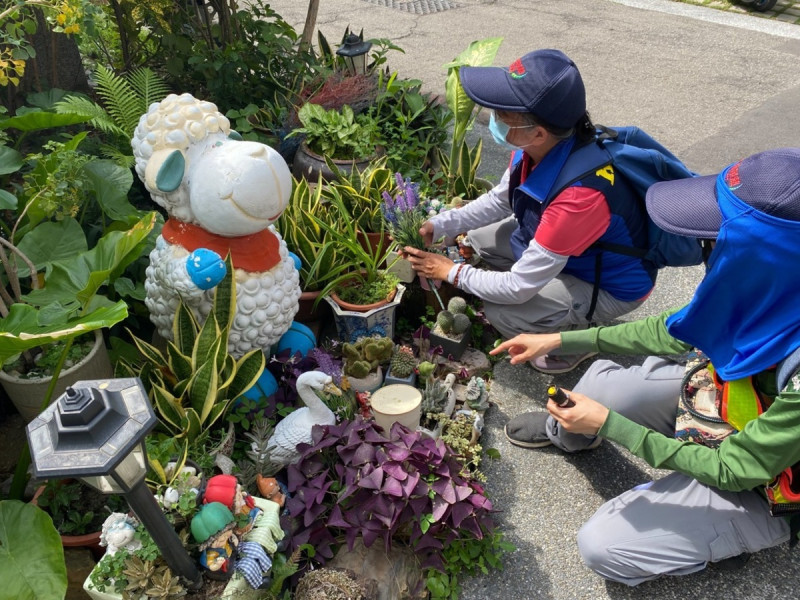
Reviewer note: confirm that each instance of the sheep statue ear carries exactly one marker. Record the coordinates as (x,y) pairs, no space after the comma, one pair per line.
(235,135)
(165,170)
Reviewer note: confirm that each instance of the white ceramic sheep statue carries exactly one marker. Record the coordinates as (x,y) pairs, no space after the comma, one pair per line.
(223,195)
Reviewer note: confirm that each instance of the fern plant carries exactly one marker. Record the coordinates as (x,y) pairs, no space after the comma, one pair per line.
(125,100)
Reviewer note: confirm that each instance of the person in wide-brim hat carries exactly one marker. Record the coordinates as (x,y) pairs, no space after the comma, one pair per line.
(733,446)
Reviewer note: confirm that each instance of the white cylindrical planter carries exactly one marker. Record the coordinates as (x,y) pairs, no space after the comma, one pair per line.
(396,403)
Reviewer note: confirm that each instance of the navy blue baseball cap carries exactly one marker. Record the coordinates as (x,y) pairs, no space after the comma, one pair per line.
(768,181)
(545,83)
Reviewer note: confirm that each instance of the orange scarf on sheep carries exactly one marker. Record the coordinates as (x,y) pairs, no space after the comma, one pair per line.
(256,252)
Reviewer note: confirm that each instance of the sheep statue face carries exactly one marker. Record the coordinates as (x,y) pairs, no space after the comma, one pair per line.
(223,196)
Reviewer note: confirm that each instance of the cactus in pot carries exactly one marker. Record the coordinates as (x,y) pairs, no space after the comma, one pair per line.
(453,328)
(402,366)
(363,359)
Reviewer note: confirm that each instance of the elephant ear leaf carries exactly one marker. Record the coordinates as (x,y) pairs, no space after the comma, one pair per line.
(31,555)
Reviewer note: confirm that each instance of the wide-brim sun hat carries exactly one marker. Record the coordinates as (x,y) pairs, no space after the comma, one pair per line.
(768,181)
(545,83)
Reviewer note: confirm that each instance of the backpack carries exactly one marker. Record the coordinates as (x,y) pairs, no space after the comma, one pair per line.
(642,161)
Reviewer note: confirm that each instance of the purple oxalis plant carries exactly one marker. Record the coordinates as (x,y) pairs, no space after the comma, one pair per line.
(351,481)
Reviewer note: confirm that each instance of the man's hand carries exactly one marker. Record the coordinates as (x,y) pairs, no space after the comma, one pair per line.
(586,417)
(527,346)
(428,264)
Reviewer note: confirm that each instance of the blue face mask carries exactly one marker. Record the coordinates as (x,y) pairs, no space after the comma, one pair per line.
(500,130)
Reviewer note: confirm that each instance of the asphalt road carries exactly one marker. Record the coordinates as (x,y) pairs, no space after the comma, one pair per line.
(714,87)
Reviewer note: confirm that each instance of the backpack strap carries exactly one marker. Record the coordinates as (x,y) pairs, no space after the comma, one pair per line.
(786,368)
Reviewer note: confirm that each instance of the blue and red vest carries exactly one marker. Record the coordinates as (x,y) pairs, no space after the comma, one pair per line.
(625,277)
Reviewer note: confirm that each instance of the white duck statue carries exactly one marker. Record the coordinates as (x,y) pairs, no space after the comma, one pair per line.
(296,426)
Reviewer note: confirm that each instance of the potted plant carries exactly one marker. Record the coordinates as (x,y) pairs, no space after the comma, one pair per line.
(348,140)
(402,366)
(362,294)
(77,511)
(194,382)
(353,483)
(452,330)
(308,241)
(438,399)
(363,359)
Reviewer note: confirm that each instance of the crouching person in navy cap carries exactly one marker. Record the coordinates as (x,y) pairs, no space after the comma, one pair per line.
(733,445)
(541,246)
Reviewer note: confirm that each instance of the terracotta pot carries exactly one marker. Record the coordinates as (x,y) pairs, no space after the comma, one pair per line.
(311,165)
(28,394)
(363,307)
(88,540)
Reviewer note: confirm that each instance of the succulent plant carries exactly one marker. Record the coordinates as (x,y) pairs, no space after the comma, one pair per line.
(165,586)
(445,321)
(457,305)
(403,361)
(461,323)
(364,356)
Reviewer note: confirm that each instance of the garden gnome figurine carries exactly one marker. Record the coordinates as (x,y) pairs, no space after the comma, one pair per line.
(223,196)
(212,528)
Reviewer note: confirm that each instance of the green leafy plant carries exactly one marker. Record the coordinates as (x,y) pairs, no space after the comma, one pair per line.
(466,556)
(305,237)
(193,383)
(359,275)
(362,192)
(75,508)
(412,125)
(31,556)
(337,134)
(126,99)
(460,165)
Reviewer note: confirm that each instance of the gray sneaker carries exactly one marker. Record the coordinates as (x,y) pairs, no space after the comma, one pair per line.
(529,430)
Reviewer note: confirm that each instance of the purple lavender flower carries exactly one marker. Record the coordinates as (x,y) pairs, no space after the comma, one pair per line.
(327,364)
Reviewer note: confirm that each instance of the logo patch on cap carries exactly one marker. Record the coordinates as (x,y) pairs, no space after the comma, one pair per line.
(732,179)
(517,70)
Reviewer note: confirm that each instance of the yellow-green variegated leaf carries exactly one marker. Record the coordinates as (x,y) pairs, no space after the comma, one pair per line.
(216,412)
(169,409)
(150,352)
(192,425)
(179,363)
(161,475)
(225,298)
(206,343)
(248,370)
(226,375)
(203,389)
(184,329)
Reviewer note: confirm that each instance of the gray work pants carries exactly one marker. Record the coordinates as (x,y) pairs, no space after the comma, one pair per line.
(561,305)
(672,526)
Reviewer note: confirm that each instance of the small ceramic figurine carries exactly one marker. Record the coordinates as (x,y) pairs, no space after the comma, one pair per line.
(213,529)
(477,395)
(296,426)
(268,488)
(118,532)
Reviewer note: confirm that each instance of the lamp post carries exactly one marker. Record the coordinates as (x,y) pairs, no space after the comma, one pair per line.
(95,431)
(354,49)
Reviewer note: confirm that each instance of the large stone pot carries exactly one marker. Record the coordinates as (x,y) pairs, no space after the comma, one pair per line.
(28,394)
(311,165)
